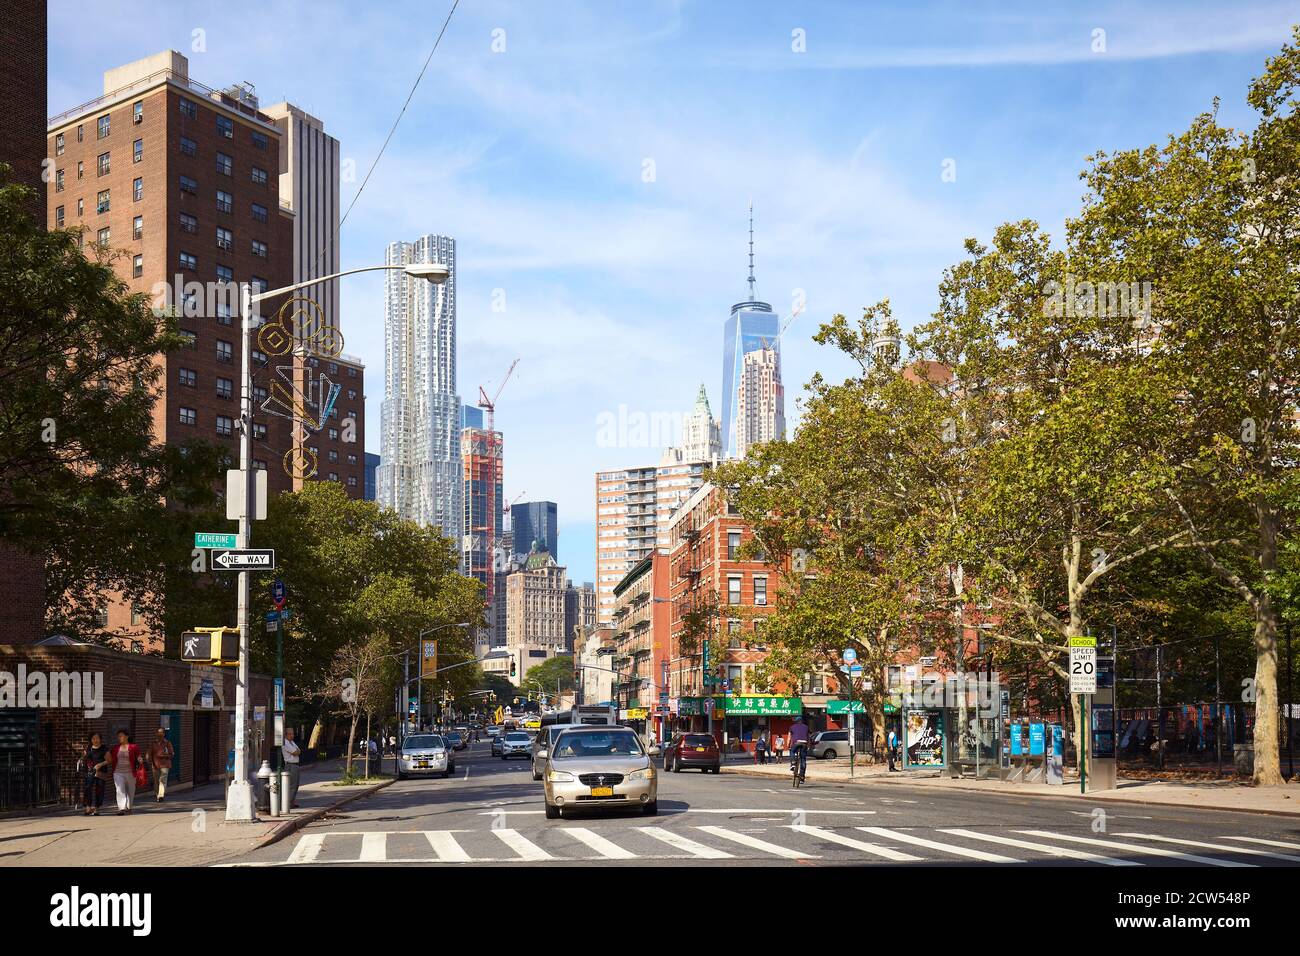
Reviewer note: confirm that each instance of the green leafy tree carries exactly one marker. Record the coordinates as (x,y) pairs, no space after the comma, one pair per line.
(555,674)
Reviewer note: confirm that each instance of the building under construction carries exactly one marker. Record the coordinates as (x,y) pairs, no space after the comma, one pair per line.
(481,453)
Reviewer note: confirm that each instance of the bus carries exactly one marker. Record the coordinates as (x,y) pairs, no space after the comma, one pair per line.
(583,714)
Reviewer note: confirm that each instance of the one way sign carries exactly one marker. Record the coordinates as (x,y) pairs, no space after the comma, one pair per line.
(244,560)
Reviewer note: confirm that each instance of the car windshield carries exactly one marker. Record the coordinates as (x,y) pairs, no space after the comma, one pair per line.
(698,740)
(518,738)
(622,743)
(453,736)
(423,742)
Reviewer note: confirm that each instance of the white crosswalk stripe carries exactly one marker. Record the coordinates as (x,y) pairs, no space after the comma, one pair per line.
(444,844)
(1061,851)
(980,855)
(606,848)
(831,836)
(744,839)
(1212,846)
(526,848)
(1280,843)
(679,842)
(1134,848)
(308,848)
(374,847)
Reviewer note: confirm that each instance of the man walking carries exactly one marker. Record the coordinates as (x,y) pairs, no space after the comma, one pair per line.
(761,748)
(161,754)
(291,752)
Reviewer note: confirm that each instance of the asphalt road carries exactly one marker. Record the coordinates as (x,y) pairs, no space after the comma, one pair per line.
(491,812)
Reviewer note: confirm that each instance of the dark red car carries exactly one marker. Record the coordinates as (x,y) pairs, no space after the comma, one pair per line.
(693,750)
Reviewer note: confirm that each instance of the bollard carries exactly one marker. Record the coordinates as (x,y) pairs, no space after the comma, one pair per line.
(285,802)
(274,784)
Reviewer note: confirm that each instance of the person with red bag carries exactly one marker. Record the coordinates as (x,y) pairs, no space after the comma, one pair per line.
(128,767)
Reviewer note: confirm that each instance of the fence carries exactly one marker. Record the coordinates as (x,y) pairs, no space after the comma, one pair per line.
(1192,736)
(24,785)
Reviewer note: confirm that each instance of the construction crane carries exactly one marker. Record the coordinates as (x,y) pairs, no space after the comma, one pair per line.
(490,404)
(786,324)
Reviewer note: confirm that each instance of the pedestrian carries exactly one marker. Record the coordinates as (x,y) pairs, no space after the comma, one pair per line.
(373,759)
(125,760)
(761,748)
(161,754)
(290,751)
(891,749)
(778,746)
(95,766)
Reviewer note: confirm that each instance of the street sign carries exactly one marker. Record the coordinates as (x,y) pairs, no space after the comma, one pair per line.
(244,560)
(850,655)
(279,694)
(236,492)
(215,539)
(845,707)
(278,594)
(1083,665)
(853,670)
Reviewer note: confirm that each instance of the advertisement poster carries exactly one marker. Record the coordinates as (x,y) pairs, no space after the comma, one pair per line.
(923,739)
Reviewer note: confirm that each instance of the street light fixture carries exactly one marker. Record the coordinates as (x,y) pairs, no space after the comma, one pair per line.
(239,798)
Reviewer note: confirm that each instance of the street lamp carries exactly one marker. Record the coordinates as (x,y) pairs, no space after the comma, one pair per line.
(239,798)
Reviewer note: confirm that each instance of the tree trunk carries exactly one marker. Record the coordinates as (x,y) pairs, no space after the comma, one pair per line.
(352,739)
(1268,757)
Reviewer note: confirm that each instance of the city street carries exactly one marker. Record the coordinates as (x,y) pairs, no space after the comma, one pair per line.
(491,812)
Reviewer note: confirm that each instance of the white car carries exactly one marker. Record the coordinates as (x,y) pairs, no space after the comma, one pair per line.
(516,743)
(425,753)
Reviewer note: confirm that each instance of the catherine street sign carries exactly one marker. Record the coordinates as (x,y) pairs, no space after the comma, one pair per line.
(244,560)
(215,539)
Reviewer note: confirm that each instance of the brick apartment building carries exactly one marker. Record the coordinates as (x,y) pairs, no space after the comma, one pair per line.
(641,643)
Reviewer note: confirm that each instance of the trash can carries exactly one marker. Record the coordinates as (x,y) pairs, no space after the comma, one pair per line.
(1243,758)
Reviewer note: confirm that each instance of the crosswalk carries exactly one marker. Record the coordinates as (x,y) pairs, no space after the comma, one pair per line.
(790,842)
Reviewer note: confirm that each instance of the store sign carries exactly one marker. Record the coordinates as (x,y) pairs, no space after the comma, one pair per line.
(762,706)
(923,738)
(634,713)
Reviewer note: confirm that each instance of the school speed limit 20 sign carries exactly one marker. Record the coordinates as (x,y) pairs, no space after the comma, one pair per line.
(1083,665)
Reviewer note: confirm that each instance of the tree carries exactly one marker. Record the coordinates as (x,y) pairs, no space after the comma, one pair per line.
(363,674)
(553,676)
(85,484)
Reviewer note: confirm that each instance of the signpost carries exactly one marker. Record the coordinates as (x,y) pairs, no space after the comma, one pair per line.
(1083,681)
(246,560)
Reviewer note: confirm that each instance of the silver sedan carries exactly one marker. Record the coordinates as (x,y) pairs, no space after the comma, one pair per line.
(599,768)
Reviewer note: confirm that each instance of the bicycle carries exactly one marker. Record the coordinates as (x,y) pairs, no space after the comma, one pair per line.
(796,776)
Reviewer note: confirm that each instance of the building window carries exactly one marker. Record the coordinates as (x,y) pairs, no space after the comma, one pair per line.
(333,457)
(733,590)
(136,617)
(226,127)
(760,591)
(259,176)
(187,377)
(58,144)
(259,140)
(105,164)
(334,434)
(352,481)
(189,108)
(225,352)
(58,218)
(104,236)
(225,238)
(258,283)
(58,180)
(259,394)
(137,189)
(352,459)
(225,426)
(189,416)
(137,227)
(259,464)
(81,169)
(225,274)
(102,127)
(225,388)
(259,358)
(259,212)
(733,544)
(189,147)
(259,431)
(137,111)
(137,266)
(259,249)
(189,186)
(81,208)
(102,202)
(225,165)
(333,476)
(225,201)
(333,368)
(352,392)
(225,315)
(137,151)
(188,262)
(101,617)
(191,339)
(79,132)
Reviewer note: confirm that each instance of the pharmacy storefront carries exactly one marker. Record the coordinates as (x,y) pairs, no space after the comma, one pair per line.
(747,718)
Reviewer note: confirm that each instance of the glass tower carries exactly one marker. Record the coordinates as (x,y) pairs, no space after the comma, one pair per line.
(752,326)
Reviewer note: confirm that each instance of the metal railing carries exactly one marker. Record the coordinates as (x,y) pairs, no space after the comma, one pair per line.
(24,785)
(223,97)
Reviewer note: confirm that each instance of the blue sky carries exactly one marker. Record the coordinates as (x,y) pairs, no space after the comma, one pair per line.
(615,288)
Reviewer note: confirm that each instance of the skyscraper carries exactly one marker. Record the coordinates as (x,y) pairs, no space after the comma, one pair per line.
(701,436)
(760,400)
(481,451)
(752,326)
(421,472)
(535,521)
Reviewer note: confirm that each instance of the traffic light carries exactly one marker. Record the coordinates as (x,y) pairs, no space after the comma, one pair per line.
(512,665)
(211,645)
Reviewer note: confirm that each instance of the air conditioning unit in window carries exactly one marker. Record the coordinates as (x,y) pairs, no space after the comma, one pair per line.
(137,119)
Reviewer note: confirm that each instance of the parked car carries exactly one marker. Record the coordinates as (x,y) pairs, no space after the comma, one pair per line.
(542,745)
(599,768)
(456,739)
(497,741)
(830,744)
(693,750)
(425,753)
(516,744)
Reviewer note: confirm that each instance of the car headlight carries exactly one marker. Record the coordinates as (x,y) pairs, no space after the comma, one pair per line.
(559,776)
(647,774)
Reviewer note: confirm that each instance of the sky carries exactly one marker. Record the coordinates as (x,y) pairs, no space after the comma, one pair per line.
(595,163)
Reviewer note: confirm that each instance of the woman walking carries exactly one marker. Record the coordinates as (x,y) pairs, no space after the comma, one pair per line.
(125,761)
(94,764)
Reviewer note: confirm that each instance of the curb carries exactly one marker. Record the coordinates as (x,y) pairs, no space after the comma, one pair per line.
(294,824)
(1127,801)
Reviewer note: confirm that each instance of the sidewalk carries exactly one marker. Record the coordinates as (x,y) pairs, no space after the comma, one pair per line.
(188,830)
(1226,795)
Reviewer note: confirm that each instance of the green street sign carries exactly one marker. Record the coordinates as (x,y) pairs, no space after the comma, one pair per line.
(215,539)
(845,707)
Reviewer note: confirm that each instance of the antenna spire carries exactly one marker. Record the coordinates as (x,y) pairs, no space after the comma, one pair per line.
(751,250)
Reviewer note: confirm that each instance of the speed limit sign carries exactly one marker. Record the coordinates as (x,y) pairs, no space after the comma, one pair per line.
(1083,665)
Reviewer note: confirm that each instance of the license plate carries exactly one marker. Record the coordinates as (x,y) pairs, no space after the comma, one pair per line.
(700,749)
(422,765)
(602,791)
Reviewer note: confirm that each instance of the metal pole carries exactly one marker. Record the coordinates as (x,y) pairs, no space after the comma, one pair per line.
(1290,707)
(1160,715)
(406,689)
(239,798)
(1218,749)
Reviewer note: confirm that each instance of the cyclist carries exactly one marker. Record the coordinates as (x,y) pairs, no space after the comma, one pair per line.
(799,747)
